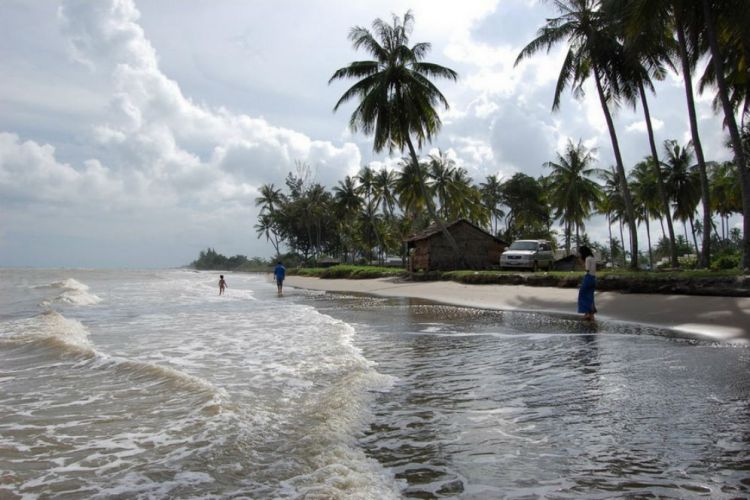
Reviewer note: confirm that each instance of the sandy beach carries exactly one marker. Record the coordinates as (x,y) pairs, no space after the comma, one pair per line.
(720,318)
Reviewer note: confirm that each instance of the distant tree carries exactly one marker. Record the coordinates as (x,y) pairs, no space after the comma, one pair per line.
(572,192)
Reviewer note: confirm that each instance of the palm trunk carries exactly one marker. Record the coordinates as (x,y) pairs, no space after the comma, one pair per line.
(705,255)
(648,237)
(431,205)
(659,178)
(622,240)
(684,229)
(695,241)
(611,243)
(621,171)
(734,133)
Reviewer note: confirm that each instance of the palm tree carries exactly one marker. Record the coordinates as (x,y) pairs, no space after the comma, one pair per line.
(572,193)
(726,195)
(384,195)
(593,50)
(268,228)
(612,205)
(492,197)
(647,47)
(729,12)
(397,99)
(647,198)
(441,172)
(409,187)
(366,187)
(270,198)
(684,184)
(348,204)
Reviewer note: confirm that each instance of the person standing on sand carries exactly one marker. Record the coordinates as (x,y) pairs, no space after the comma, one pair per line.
(586,292)
(222,284)
(279,273)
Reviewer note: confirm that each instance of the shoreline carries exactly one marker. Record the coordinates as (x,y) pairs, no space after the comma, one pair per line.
(724,319)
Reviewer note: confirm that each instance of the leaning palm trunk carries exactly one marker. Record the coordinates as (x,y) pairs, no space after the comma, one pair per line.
(705,255)
(734,133)
(659,178)
(621,171)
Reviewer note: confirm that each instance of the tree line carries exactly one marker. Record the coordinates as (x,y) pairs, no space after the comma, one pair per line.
(211,260)
(367,217)
(623,47)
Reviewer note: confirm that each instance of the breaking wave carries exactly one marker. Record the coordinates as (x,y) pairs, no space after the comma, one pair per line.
(73,292)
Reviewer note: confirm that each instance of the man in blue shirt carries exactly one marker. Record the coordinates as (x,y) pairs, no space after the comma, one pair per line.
(279,273)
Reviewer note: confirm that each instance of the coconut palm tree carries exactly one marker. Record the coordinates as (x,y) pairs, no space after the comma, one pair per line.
(409,189)
(593,51)
(612,205)
(492,198)
(726,194)
(366,187)
(270,198)
(724,16)
(440,172)
(685,19)
(397,99)
(348,204)
(684,184)
(572,193)
(384,195)
(647,198)
(647,44)
(267,227)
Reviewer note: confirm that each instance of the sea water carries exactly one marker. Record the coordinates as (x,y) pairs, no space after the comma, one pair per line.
(148,384)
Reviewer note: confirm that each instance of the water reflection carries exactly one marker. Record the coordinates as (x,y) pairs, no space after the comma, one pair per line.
(495,404)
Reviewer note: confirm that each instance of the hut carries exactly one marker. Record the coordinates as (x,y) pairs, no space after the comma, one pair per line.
(430,250)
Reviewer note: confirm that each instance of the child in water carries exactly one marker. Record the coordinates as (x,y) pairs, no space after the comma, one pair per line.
(222,284)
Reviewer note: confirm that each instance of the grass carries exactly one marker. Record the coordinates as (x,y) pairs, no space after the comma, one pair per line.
(689,281)
(344,271)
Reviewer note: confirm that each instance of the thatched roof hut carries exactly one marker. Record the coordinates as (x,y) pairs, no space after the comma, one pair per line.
(429,249)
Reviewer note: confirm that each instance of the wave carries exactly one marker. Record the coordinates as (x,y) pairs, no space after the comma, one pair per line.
(53,332)
(49,329)
(73,292)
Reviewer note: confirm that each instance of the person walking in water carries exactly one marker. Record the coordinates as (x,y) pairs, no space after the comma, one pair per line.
(222,284)
(588,286)
(279,272)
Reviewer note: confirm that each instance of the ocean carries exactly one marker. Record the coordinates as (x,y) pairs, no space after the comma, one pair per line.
(148,384)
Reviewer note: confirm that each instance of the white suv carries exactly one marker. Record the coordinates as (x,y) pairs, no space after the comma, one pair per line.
(528,254)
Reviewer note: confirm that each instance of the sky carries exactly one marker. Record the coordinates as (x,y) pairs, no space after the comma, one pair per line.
(134,134)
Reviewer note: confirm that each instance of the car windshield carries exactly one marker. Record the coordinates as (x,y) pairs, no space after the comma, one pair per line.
(524,245)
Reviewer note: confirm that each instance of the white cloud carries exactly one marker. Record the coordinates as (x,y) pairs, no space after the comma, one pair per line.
(155,135)
(641,127)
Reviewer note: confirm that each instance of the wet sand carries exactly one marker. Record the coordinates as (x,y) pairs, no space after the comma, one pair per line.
(721,318)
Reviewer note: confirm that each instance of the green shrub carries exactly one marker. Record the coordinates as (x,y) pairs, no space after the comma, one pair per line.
(726,261)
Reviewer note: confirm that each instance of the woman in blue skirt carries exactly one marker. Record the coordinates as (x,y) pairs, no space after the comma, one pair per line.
(586,292)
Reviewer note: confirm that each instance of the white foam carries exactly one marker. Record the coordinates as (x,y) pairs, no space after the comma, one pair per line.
(50,328)
(73,292)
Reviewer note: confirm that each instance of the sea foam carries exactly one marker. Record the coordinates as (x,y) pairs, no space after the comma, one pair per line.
(73,292)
